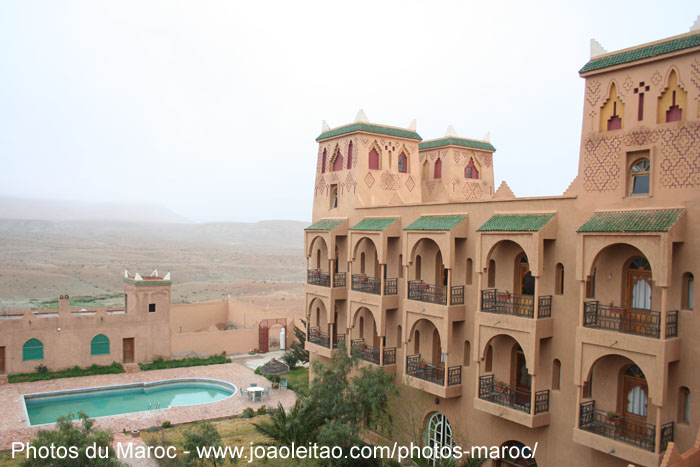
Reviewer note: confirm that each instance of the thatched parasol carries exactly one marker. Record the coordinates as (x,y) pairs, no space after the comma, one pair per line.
(274,368)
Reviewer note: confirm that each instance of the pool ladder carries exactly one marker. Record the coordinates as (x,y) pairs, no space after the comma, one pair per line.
(150,404)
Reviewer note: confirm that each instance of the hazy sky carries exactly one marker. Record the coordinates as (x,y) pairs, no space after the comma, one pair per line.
(211,108)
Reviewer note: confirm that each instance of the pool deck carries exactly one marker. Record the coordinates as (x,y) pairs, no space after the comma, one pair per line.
(14,425)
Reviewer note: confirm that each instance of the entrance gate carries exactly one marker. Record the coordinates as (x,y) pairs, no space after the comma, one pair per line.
(264,330)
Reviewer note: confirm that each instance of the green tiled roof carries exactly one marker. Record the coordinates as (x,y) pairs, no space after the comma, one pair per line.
(325,224)
(374,223)
(656,220)
(467,143)
(516,222)
(368,127)
(642,53)
(435,223)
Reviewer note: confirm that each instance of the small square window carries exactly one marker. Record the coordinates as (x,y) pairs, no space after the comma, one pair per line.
(151,307)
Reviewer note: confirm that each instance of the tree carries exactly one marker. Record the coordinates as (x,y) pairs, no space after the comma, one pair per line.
(297,352)
(201,436)
(337,407)
(78,436)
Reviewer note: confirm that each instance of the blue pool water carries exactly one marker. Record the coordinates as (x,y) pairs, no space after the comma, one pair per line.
(114,400)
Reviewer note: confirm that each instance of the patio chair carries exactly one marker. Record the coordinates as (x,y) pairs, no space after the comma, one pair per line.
(283,383)
(266,392)
(244,393)
(253,385)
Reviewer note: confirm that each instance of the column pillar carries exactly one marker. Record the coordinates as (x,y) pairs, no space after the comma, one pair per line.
(664,311)
(536,309)
(657,432)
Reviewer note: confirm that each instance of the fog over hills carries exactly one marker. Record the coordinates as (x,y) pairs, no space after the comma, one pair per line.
(72,253)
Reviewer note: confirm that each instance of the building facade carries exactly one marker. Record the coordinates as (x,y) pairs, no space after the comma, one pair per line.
(565,321)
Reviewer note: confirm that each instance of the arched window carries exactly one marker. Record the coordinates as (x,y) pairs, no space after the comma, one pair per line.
(470,171)
(33,349)
(556,374)
(683,405)
(672,101)
(467,353)
(418,267)
(349,155)
(639,280)
(362,262)
(99,345)
(373,159)
(688,292)
(439,433)
(324,161)
(403,163)
(559,284)
(492,274)
(338,162)
(468,272)
(416,342)
(437,172)
(639,177)
(488,363)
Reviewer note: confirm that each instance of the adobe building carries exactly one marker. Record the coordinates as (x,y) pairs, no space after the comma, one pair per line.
(145,328)
(566,320)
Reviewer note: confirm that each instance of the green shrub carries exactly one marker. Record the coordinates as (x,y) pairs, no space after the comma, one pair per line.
(74,372)
(41,369)
(160,364)
(249,412)
(262,410)
(167,424)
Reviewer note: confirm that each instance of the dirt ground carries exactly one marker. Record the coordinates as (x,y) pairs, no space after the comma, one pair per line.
(87,262)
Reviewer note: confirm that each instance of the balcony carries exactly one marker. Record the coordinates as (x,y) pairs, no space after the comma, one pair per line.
(339,280)
(494,396)
(315,336)
(318,277)
(509,396)
(638,434)
(365,352)
(421,370)
(428,293)
(628,321)
(506,303)
(362,283)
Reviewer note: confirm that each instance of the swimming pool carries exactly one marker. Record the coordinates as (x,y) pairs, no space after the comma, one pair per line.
(115,400)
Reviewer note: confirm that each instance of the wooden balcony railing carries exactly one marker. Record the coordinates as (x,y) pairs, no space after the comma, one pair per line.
(506,303)
(339,280)
(315,336)
(422,292)
(628,321)
(628,431)
(509,396)
(318,277)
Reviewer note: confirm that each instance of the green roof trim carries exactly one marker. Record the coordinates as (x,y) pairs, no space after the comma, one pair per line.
(435,223)
(374,223)
(642,53)
(516,222)
(325,224)
(464,142)
(651,220)
(368,127)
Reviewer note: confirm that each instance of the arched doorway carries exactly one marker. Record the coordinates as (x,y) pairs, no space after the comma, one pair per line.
(521,379)
(634,395)
(525,282)
(516,454)
(438,434)
(638,277)
(264,327)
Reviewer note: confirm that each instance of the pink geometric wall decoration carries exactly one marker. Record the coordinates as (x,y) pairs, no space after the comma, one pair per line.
(410,184)
(389,181)
(593,92)
(369,180)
